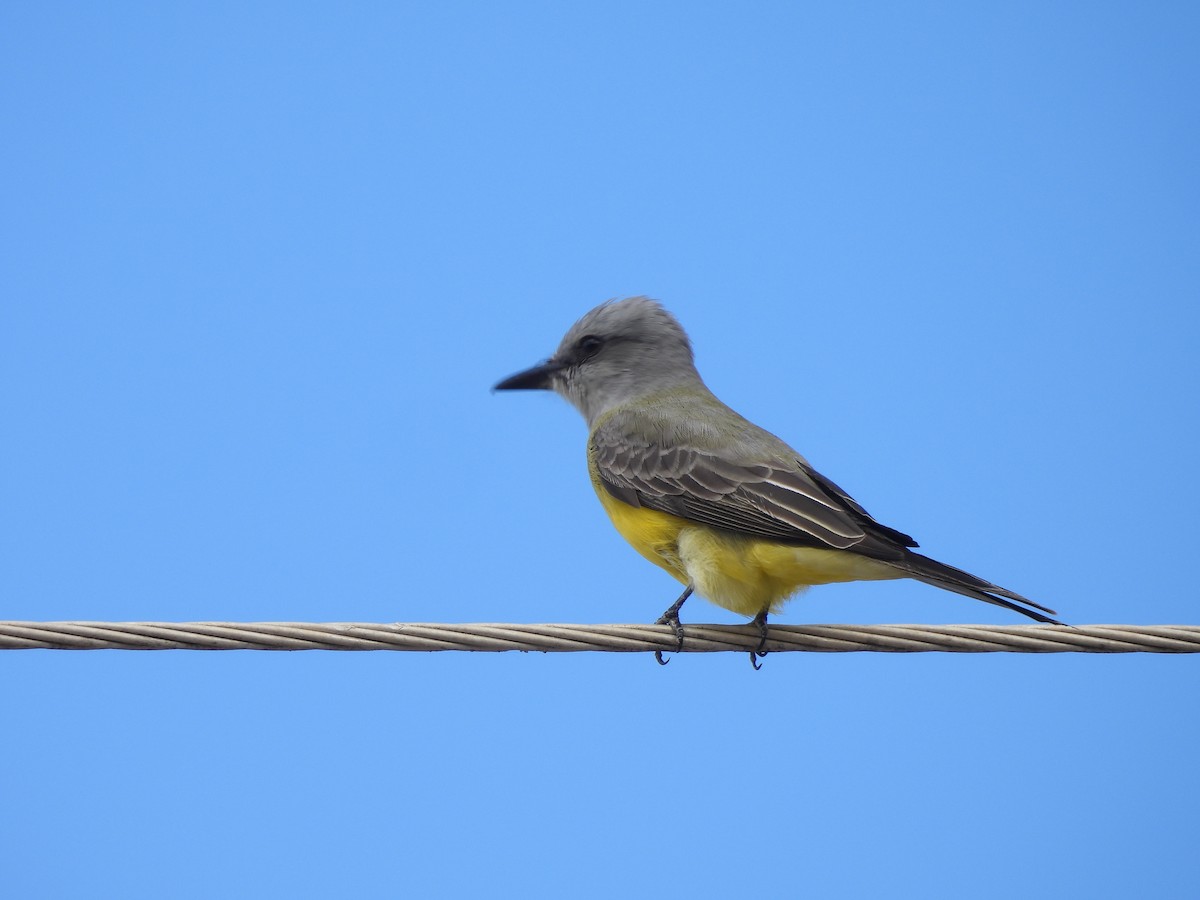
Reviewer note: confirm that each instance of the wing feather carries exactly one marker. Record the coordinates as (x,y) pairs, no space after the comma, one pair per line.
(765,500)
(784,500)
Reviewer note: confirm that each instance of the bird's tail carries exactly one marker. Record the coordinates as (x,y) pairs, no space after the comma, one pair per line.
(930,571)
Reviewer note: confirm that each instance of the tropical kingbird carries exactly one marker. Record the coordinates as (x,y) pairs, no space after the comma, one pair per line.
(728,509)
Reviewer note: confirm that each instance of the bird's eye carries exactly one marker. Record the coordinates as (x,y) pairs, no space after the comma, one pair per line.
(589,344)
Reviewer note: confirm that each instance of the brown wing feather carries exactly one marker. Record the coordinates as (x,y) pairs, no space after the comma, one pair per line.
(786,505)
(791,505)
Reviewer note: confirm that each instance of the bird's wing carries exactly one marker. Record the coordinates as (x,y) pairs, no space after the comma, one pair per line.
(792,504)
(786,503)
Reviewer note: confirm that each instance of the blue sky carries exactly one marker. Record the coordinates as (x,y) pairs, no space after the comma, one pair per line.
(260,265)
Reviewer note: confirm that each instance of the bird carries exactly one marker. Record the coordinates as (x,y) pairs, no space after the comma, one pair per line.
(727,508)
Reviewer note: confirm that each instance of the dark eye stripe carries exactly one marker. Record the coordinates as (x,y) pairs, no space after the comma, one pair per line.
(588,345)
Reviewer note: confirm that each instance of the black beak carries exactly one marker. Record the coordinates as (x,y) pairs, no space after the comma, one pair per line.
(536,379)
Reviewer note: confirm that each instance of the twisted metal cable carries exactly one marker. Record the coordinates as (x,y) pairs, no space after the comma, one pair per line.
(611,638)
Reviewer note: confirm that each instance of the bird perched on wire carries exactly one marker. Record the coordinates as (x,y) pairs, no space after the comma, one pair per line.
(727,508)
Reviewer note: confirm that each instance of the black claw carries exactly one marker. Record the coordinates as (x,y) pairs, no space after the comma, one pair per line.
(761,650)
(671,617)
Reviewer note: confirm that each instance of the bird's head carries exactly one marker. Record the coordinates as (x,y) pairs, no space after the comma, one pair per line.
(619,351)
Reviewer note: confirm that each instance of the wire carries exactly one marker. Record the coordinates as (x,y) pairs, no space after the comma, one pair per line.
(482,637)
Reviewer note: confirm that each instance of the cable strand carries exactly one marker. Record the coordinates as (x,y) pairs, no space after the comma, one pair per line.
(562,638)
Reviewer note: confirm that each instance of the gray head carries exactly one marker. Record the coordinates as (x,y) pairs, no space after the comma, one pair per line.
(620,350)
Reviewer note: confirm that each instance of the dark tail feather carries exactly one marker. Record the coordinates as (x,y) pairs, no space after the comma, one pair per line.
(930,571)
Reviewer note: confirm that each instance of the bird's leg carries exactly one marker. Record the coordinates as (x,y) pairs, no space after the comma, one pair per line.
(671,617)
(761,650)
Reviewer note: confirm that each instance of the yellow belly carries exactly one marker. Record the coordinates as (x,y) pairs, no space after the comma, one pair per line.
(745,574)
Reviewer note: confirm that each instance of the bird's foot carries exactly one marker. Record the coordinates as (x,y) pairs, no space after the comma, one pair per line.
(671,617)
(761,650)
